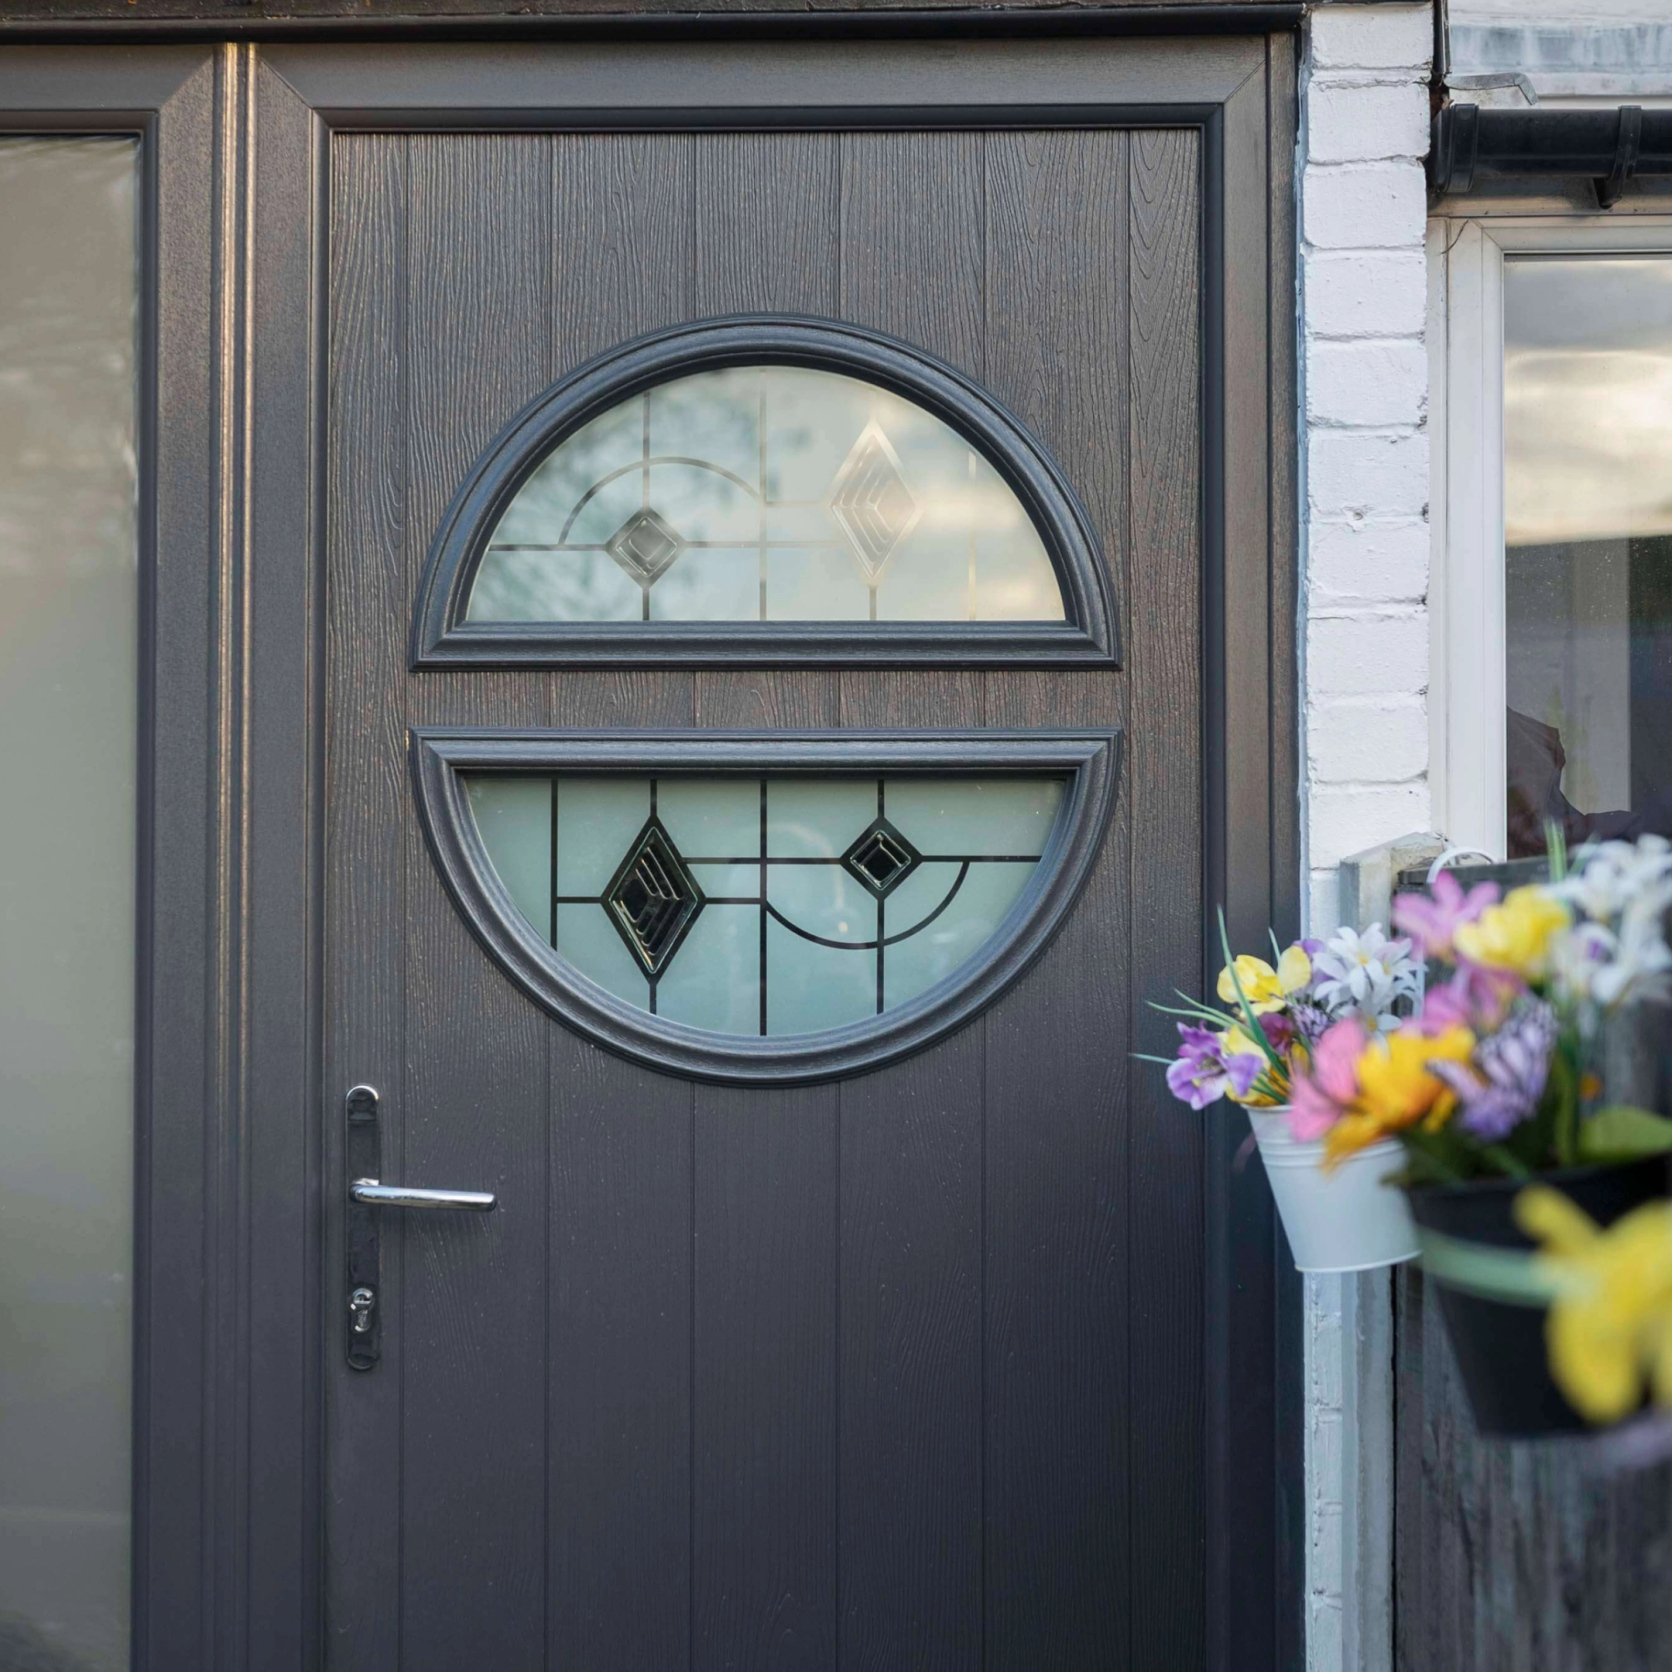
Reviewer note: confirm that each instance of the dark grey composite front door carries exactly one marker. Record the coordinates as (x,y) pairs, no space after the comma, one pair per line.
(899,1352)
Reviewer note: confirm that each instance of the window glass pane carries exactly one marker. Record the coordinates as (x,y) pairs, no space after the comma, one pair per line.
(1588,547)
(765,493)
(67,690)
(765,905)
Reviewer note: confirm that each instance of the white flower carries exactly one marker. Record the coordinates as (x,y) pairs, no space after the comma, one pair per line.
(1642,965)
(1614,874)
(1578,956)
(1363,973)
(1592,964)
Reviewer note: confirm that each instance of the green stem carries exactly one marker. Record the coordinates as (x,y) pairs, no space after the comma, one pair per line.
(1255,1031)
(1448,1173)
(1565,1135)
(1505,1162)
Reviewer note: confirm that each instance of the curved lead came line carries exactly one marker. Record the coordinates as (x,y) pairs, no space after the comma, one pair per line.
(871,945)
(639,464)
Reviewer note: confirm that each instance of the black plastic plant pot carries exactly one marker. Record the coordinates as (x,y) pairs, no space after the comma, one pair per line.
(1500,1347)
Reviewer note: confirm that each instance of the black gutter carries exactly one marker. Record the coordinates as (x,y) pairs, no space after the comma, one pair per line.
(868,21)
(1608,147)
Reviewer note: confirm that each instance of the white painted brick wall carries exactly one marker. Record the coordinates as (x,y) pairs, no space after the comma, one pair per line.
(1364,367)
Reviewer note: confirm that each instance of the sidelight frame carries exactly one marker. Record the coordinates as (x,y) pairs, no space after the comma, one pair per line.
(1086,637)
(230,1319)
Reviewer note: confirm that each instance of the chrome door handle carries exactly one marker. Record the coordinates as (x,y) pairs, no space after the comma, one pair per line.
(410,1196)
(362,1158)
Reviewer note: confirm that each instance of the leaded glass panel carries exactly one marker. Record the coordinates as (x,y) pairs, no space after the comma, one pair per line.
(764,904)
(765,493)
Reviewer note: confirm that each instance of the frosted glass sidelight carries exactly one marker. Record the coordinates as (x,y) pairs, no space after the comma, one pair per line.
(765,493)
(1587,548)
(765,905)
(68,683)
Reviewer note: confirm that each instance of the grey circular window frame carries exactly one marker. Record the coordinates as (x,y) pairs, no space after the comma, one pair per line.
(1088,759)
(1087,637)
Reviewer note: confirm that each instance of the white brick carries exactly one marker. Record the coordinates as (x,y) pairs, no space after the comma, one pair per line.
(1326,1646)
(1384,741)
(1366,656)
(1384,294)
(1367,383)
(1348,123)
(1368,206)
(1371,37)
(1350,475)
(1342,821)
(1326,1441)
(1323,1569)
(1323,916)
(1375,562)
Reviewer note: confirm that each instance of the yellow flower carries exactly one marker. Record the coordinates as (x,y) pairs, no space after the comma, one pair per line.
(1265,988)
(1609,1330)
(1396,1089)
(1515,935)
(1234,1042)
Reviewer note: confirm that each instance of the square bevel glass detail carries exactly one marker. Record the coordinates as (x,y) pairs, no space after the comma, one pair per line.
(765,493)
(767,904)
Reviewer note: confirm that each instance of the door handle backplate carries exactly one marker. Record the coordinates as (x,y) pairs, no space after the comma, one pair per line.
(362,1163)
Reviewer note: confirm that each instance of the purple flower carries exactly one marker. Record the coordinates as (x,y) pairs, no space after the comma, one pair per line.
(1309,1020)
(1203,1073)
(1431,921)
(1473,998)
(1503,1085)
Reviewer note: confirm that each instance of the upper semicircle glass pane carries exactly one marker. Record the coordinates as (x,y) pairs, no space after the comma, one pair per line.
(766,493)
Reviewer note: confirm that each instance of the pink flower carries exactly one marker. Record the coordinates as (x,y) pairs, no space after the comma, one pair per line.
(1319,1096)
(1473,998)
(1431,921)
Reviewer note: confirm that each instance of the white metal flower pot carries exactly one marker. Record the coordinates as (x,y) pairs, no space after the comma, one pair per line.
(1343,1220)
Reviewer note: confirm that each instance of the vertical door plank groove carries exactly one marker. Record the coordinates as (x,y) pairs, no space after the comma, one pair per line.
(475,1306)
(620,1269)
(366,832)
(1165,1227)
(766,240)
(764,1510)
(764,1414)
(910,1484)
(1058,1544)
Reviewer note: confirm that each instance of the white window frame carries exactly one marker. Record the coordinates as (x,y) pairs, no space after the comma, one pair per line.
(1466,690)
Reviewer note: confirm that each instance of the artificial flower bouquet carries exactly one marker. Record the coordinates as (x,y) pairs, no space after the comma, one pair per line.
(1257,1051)
(1350,1057)
(1539,1192)
(1497,1070)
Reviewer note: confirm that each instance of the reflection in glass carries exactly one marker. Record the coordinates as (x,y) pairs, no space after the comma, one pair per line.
(1588,547)
(765,493)
(765,905)
(68,611)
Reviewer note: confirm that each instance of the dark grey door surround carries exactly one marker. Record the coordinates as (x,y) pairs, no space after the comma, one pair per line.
(977,1359)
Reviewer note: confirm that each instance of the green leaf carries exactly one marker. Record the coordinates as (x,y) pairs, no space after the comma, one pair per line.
(1501,1274)
(1252,1027)
(1622,1133)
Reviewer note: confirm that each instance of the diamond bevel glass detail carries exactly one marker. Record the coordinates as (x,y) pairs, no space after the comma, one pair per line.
(653,898)
(881,859)
(646,546)
(871,502)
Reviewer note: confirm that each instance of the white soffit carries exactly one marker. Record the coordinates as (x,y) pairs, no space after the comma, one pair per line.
(1567,51)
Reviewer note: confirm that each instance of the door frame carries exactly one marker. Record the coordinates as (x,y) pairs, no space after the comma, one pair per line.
(231,1316)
